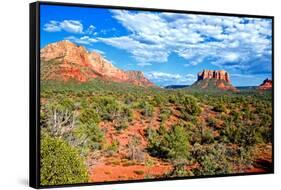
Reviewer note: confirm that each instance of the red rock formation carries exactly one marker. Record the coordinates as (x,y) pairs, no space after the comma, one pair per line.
(72,62)
(210,74)
(266,85)
(214,79)
(137,78)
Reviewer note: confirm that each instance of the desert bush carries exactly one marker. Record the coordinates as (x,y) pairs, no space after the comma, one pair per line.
(243,158)
(212,159)
(176,143)
(134,151)
(59,118)
(165,113)
(146,108)
(126,113)
(207,136)
(158,100)
(190,105)
(179,170)
(219,107)
(89,116)
(242,134)
(212,122)
(172,144)
(60,163)
(112,148)
(121,124)
(89,137)
(129,99)
(172,99)
(108,107)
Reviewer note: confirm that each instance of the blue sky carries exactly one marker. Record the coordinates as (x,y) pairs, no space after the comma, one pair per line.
(170,48)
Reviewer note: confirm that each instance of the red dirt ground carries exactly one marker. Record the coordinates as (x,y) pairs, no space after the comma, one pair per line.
(118,167)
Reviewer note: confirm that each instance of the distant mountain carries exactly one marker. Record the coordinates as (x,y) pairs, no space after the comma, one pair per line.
(266,85)
(246,87)
(176,86)
(213,80)
(66,61)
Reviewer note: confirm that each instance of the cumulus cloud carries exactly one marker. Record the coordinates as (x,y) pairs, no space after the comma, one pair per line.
(164,78)
(142,52)
(230,42)
(84,40)
(71,26)
(91,30)
(98,51)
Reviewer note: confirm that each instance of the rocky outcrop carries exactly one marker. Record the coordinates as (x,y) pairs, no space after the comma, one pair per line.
(65,61)
(213,80)
(137,78)
(213,74)
(266,85)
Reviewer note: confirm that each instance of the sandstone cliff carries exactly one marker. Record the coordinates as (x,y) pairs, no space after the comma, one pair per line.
(210,74)
(213,80)
(65,61)
(266,85)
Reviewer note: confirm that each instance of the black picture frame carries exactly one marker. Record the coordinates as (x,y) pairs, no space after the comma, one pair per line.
(34,91)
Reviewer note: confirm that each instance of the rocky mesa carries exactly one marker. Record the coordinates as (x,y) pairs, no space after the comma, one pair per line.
(266,85)
(66,61)
(213,74)
(214,79)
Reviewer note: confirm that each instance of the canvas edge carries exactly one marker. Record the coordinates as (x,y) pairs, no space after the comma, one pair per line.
(34,97)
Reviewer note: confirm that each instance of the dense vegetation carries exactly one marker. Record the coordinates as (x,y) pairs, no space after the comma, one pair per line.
(197,133)
(60,163)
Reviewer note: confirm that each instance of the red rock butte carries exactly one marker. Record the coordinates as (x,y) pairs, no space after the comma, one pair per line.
(213,74)
(65,61)
(266,85)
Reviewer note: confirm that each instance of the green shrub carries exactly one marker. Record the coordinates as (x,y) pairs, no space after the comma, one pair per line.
(190,105)
(207,136)
(60,163)
(158,100)
(89,136)
(243,134)
(212,122)
(89,116)
(212,159)
(112,148)
(108,107)
(121,125)
(172,144)
(165,113)
(146,108)
(134,151)
(58,117)
(219,107)
(179,170)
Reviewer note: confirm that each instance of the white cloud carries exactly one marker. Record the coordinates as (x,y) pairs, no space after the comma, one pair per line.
(98,51)
(142,52)
(231,57)
(52,26)
(144,64)
(72,26)
(84,40)
(170,78)
(91,30)
(227,41)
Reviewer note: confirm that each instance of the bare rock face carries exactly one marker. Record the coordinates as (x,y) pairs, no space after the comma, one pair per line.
(214,79)
(210,74)
(65,61)
(137,78)
(266,85)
